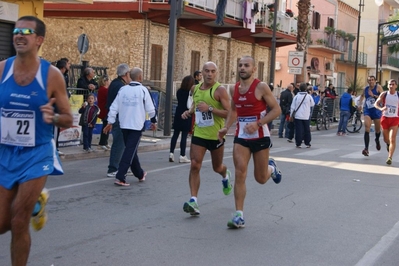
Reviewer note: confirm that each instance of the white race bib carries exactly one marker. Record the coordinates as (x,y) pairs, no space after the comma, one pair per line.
(370,103)
(204,119)
(390,111)
(18,127)
(242,122)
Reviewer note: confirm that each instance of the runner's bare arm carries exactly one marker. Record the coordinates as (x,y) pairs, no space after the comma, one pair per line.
(57,89)
(231,117)
(270,100)
(222,96)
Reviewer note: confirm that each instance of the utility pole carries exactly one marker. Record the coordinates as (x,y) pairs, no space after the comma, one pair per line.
(361,8)
(273,55)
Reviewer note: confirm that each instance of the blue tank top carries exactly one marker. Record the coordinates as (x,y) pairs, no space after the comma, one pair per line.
(22,121)
(369,101)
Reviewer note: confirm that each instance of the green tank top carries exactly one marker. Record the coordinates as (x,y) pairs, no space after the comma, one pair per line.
(207,124)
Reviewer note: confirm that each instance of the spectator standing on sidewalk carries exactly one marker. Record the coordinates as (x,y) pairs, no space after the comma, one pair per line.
(250,98)
(88,121)
(211,104)
(131,104)
(181,125)
(302,104)
(86,83)
(102,94)
(285,104)
(388,103)
(345,107)
(123,72)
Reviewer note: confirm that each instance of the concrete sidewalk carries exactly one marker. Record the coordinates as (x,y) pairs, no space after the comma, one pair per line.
(150,141)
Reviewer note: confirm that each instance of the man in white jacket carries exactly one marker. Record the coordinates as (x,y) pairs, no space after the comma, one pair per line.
(302,104)
(132,103)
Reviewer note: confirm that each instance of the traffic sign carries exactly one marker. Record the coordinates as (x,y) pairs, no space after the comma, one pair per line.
(83,44)
(295,59)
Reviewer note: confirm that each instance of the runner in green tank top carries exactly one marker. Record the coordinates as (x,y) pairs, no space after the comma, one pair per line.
(210,104)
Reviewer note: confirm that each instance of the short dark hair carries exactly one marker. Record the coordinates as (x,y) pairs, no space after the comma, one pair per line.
(65,59)
(303,86)
(349,90)
(196,73)
(40,26)
(61,64)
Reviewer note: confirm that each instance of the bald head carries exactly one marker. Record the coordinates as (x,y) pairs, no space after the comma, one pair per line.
(136,74)
(210,64)
(248,59)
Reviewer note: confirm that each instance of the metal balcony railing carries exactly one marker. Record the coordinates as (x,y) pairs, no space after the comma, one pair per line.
(390,61)
(284,23)
(350,57)
(333,41)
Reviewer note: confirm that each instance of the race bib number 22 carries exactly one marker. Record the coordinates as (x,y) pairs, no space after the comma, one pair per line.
(18,127)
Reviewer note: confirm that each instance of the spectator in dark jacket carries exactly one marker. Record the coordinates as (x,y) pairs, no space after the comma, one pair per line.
(86,83)
(88,121)
(118,145)
(285,105)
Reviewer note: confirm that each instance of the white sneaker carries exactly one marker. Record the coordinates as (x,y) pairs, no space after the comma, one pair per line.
(91,150)
(171,157)
(112,174)
(129,172)
(60,153)
(105,148)
(184,159)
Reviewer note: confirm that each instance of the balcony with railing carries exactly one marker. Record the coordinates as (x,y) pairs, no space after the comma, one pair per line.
(328,42)
(390,61)
(350,58)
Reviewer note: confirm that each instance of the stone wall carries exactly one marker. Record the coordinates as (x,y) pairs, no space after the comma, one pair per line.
(115,41)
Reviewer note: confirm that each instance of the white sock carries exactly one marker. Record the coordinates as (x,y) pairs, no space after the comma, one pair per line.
(241,213)
(194,198)
(272,167)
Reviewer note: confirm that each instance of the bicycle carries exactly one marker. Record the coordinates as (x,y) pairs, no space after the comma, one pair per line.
(323,118)
(354,122)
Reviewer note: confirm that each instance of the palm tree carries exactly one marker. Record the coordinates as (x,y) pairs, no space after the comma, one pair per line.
(302,35)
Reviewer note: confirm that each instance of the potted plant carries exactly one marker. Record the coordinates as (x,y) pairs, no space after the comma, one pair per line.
(340,33)
(350,37)
(320,41)
(289,13)
(329,30)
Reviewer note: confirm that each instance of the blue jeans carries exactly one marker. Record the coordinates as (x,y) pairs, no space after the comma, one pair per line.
(87,136)
(117,147)
(283,126)
(343,121)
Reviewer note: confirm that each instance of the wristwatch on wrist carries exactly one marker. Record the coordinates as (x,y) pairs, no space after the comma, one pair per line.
(210,109)
(56,117)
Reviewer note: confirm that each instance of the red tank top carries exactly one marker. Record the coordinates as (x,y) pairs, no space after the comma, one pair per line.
(249,109)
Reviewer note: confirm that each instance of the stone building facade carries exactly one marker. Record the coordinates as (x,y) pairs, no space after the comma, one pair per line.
(115,41)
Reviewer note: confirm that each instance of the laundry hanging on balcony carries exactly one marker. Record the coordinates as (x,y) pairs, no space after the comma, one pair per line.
(251,9)
(220,11)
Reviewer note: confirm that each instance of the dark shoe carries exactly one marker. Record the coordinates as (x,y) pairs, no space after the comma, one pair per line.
(280,137)
(377,144)
(365,152)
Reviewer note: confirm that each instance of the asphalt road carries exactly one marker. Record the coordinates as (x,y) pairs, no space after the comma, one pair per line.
(333,207)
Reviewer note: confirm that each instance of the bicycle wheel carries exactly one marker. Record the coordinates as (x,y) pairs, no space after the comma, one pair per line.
(358,124)
(319,121)
(327,121)
(351,125)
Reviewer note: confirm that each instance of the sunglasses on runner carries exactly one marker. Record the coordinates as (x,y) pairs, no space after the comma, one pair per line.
(23,31)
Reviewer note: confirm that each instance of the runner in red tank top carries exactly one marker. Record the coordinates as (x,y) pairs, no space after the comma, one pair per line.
(248,110)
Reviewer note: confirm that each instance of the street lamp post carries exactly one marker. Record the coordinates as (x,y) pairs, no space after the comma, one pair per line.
(273,55)
(361,8)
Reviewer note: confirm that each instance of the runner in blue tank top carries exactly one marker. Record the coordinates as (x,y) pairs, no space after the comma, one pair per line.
(29,89)
(371,113)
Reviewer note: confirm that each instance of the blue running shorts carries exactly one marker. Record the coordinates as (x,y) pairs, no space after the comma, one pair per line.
(373,113)
(21,164)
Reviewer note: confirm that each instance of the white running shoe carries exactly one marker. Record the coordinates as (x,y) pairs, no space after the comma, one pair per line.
(105,148)
(184,159)
(171,157)
(112,174)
